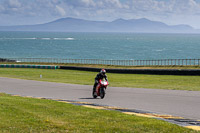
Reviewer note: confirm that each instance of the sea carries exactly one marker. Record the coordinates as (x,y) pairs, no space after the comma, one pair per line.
(111,46)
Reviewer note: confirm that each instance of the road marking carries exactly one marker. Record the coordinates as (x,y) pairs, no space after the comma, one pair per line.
(40,98)
(167,116)
(64,101)
(57,99)
(138,114)
(108,107)
(194,127)
(82,102)
(94,107)
(29,96)
(16,95)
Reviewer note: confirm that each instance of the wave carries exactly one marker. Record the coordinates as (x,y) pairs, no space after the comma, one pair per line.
(35,38)
(69,38)
(18,38)
(22,38)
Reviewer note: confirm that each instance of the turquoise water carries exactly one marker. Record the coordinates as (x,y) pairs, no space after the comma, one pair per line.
(99,45)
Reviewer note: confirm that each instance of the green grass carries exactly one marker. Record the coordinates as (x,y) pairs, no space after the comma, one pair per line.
(108,66)
(191,83)
(22,115)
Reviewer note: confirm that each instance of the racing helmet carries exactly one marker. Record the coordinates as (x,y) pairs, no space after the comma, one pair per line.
(103,71)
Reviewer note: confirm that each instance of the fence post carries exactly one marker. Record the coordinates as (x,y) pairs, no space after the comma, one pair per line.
(171,62)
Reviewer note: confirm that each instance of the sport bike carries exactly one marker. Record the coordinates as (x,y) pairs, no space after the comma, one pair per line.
(100,89)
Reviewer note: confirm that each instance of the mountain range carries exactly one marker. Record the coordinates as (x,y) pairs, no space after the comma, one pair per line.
(142,25)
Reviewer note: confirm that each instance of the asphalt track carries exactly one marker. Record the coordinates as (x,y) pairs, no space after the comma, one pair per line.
(171,102)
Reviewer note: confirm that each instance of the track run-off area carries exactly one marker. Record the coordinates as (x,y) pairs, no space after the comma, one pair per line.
(179,107)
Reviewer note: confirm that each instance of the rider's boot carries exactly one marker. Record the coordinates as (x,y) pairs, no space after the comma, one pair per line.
(94,89)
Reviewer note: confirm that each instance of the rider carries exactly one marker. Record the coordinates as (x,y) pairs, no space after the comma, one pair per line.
(100,75)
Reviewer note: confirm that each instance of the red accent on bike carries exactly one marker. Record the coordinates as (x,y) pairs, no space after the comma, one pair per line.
(100,85)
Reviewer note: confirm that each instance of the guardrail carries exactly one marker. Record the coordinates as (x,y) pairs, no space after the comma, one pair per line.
(163,62)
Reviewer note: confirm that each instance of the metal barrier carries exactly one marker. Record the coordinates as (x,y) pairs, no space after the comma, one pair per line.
(163,62)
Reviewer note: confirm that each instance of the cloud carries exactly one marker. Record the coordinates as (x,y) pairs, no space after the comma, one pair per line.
(60,10)
(1,8)
(170,11)
(14,3)
(88,3)
(170,6)
(130,6)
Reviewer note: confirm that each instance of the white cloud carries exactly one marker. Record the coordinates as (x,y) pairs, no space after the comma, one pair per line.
(60,10)
(88,3)
(109,4)
(170,11)
(14,3)
(1,8)
(55,1)
(114,3)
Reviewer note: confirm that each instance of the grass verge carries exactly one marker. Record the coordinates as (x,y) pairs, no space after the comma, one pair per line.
(107,66)
(19,114)
(172,82)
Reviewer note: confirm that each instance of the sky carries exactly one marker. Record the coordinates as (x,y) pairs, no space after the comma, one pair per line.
(28,12)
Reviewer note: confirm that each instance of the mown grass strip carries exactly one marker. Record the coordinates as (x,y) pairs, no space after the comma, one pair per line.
(19,114)
(172,82)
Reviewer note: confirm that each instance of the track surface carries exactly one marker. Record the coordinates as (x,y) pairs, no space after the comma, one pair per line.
(172,102)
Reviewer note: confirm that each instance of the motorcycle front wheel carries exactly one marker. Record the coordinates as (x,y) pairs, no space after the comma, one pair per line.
(102,92)
(94,94)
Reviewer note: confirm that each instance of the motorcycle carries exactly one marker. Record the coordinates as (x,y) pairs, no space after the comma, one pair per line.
(100,89)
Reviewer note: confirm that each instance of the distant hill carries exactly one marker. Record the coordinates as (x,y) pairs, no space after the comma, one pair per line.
(142,25)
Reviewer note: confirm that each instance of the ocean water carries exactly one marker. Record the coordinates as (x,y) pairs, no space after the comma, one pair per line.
(119,46)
